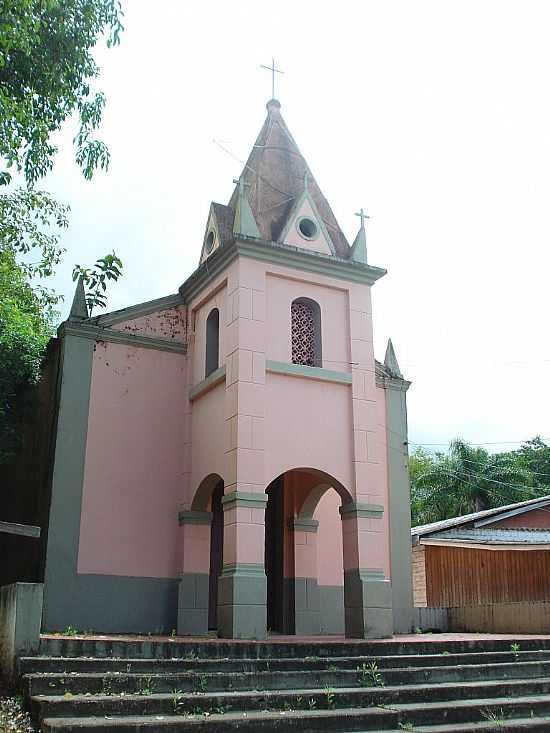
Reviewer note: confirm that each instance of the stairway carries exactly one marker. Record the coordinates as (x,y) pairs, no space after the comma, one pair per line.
(115,685)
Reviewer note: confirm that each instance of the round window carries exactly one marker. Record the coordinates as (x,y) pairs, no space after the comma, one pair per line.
(307,228)
(210,241)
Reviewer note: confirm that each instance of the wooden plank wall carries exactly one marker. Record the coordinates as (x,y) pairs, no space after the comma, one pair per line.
(457,576)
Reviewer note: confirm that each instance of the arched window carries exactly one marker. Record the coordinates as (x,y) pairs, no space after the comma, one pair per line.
(306,332)
(212,341)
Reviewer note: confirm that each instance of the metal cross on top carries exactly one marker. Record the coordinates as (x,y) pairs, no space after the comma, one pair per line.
(273,72)
(362,216)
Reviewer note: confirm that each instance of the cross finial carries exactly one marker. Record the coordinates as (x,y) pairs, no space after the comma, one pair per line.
(361,214)
(273,72)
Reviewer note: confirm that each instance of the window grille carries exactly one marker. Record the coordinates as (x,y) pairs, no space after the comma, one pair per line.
(303,334)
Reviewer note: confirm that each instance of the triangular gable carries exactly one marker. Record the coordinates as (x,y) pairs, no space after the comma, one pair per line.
(218,229)
(305,227)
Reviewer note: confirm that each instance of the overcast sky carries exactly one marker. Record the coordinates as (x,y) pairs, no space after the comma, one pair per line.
(434,116)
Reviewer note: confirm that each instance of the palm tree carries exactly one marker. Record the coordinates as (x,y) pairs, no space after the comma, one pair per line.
(470,479)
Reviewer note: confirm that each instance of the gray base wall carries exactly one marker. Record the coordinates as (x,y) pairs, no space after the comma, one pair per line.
(331,601)
(111,604)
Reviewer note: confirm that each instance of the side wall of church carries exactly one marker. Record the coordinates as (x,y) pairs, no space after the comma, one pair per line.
(112,547)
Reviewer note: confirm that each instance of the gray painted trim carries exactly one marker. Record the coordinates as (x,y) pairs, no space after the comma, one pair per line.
(194,517)
(247,499)
(23,530)
(279,254)
(138,310)
(243,568)
(304,525)
(399,509)
(361,510)
(96,333)
(68,473)
(401,385)
(300,370)
(308,261)
(207,384)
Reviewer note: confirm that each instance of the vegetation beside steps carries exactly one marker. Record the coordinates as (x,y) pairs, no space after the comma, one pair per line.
(428,687)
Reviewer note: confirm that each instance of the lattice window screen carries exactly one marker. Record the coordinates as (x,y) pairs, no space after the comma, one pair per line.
(303,334)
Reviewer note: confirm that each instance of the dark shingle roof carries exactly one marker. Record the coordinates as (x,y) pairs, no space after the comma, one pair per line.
(274,173)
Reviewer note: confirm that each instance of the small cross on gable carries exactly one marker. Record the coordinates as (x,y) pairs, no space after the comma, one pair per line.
(361,214)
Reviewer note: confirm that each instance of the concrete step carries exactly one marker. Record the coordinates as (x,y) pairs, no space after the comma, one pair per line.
(311,721)
(192,662)
(153,703)
(198,681)
(63,646)
(511,725)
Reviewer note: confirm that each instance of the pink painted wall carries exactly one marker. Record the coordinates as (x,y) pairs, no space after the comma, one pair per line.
(330,563)
(169,324)
(134,463)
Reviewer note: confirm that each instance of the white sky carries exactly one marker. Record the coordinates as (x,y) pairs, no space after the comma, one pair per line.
(434,116)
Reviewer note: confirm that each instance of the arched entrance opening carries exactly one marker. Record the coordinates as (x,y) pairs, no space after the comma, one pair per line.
(303,553)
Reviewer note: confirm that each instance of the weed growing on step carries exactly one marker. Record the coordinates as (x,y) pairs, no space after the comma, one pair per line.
(332,668)
(446,653)
(106,685)
(176,695)
(369,675)
(495,717)
(145,686)
(201,684)
(330,698)
(407,725)
(312,703)
(515,648)
(71,631)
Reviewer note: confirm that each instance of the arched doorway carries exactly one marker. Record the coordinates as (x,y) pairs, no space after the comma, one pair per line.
(302,597)
(216,554)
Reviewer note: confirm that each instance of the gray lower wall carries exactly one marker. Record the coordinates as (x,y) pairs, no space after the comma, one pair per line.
(20,617)
(111,604)
(331,602)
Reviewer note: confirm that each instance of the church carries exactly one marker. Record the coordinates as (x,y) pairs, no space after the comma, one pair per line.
(232,459)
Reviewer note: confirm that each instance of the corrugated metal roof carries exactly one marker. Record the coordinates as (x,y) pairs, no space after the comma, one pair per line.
(495,536)
(425,529)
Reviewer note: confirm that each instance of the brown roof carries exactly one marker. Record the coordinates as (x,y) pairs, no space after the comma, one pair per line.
(275,173)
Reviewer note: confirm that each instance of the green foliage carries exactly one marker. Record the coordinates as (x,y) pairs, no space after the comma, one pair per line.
(95,279)
(46,71)
(469,479)
(26,324)
(46,67)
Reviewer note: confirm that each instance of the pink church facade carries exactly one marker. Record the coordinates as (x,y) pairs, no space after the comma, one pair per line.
(233,457)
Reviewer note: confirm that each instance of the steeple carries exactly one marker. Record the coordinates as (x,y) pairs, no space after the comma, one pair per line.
(275,174)
(390,361)
(244,222)
(79,307)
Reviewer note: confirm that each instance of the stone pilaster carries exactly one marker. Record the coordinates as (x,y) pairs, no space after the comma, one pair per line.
(367,593)
(242,587)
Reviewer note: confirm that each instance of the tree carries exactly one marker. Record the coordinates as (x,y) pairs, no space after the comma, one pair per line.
(467,479)
(46,74)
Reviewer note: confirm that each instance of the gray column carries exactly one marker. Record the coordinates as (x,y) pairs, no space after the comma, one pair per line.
(400,505)
(194,588)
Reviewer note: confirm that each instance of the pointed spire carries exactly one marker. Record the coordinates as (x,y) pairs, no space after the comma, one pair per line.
(79,308)
(390,361)
(359,246)
(244,223)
